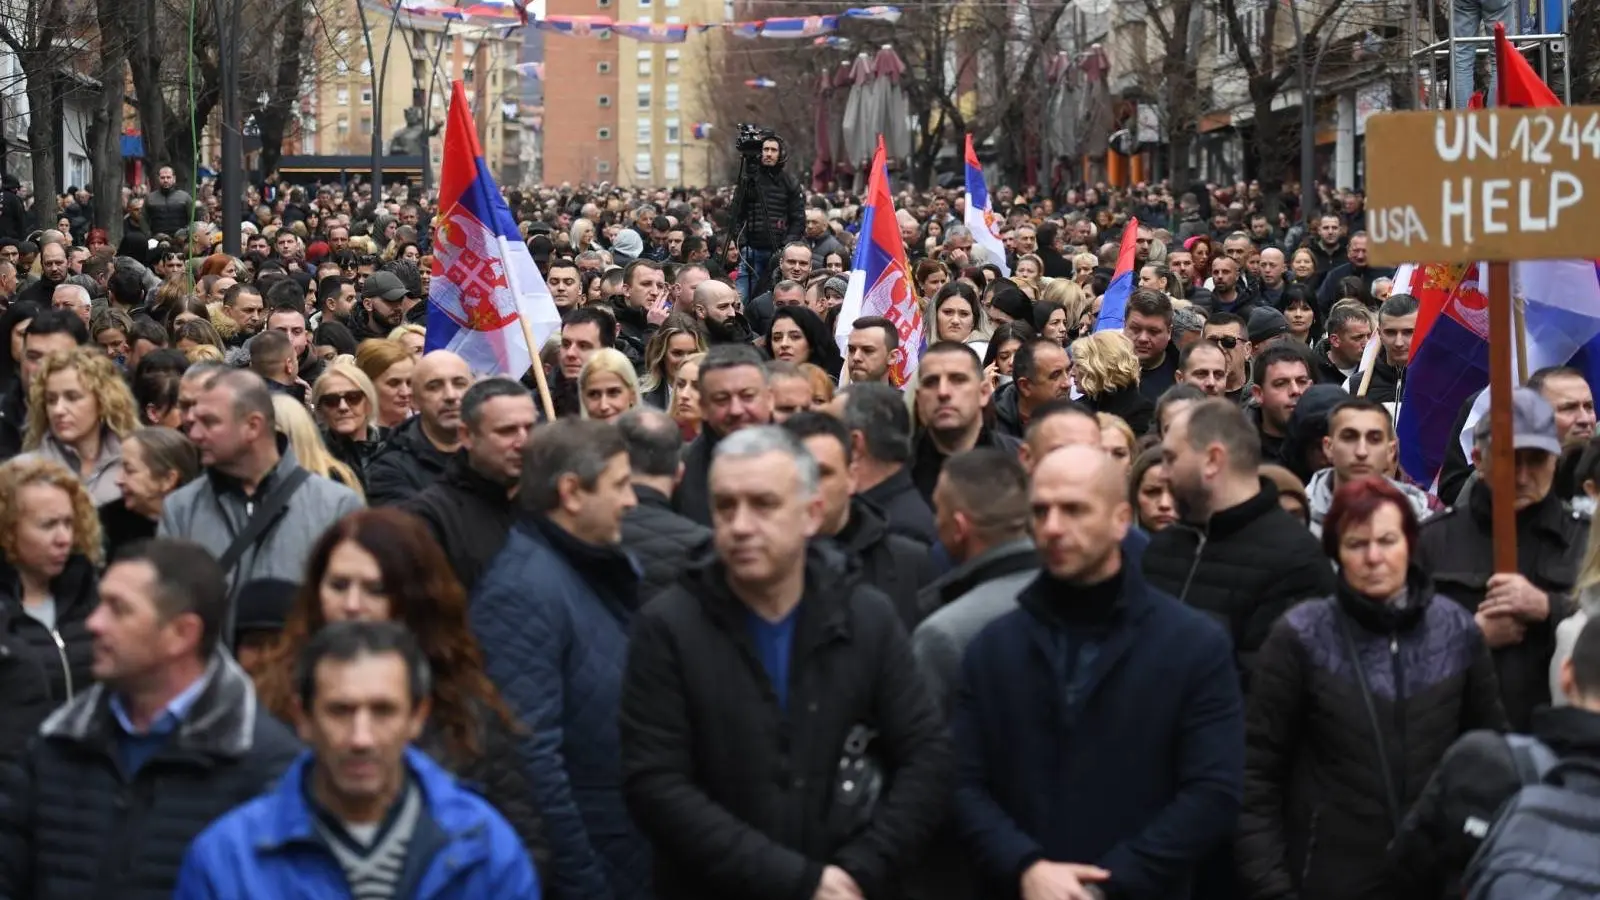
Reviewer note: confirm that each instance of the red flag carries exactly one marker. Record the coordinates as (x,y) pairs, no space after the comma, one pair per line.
(1519,85)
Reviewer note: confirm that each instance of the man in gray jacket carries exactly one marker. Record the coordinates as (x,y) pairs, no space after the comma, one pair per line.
(233,425)
(982,511)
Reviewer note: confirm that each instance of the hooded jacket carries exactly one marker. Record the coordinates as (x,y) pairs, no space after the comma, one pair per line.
(1308,425)
(1319,498)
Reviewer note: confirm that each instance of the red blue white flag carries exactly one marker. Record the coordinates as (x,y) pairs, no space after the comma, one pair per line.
(1114,305)
(979,215)
(880,280)
(485,285)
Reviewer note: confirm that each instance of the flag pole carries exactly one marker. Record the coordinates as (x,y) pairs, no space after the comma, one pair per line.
(1502,471)
(538,370)
(1520,323)
(1366,379)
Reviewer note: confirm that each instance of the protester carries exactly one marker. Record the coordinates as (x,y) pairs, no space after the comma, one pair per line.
(951,394)
(122,778)
(155,462)
(568,638)
(363,813)
(1106,372)
(678,338)
(1329,770)
(1150,493)
(872,349)
(347,404)
(51,331)
(1360,444)
(732,800)
(1114,643)
(663,542)
(416,452)
(1041,371)
(607,386)
(79,412)
(734,394)
(389,367)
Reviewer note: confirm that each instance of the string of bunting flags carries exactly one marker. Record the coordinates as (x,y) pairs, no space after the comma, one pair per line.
(782,27)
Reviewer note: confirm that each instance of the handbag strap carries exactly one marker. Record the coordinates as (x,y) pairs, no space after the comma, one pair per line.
(265,514)
(1384,769)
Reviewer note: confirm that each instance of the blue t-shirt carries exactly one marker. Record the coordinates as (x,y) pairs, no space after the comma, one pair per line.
(774,641)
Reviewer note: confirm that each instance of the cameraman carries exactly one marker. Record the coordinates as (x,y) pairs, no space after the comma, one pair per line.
(769,208)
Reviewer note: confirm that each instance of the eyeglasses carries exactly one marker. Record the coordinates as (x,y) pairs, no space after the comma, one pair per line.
(351,399)
(1226,341)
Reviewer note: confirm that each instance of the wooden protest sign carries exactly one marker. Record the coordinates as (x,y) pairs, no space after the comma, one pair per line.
(1463,186)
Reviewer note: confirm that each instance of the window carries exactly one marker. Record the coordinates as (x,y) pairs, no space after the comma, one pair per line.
(674,20)
(642,135)
(674,168)
(641,164)
(419,40)
(672,97)
(343,124)
(366,124)
(603,3)
(674,133)
(602,166)
(419,70)
(644,62)
(366,67)
(342,96)
(469,76)
(1249,23)
(644,4)
(672,4)
(672,63)
(605,99)
(644,96)
(605,35)
(603,67)
(603,134)
(366,96)
(342,67)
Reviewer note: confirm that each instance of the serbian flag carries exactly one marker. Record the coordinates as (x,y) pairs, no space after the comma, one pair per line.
(652,32)
(880,281)
(487,297)
(979,215)
(1114,305)
(798,26)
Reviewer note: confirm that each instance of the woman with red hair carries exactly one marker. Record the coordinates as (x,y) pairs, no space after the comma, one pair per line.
(98,237)
(1354,700)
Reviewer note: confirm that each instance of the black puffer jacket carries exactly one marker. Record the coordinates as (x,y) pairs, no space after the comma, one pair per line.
(735,793)
(1245,568)
(469,515)
(66,653)
(1457,548)
(1316,816)
(770,207)
(13,420)
(693,498)
(496,774)
(357,455)
(1126,403)
(662,542)
(898,566)
(24,702)
(1008,412)
(73,826)
(903,507)
(404,466)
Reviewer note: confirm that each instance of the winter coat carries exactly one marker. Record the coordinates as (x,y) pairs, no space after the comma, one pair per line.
(469,515)
(77,826)
(907,514)
(1319,498)
(661,541)
(957,607)
(355,454)
(461,848)
(1469,787)
(1008,412)
(13,419)
(101,483)
(64,655)
(898,566)
(768,208)
(1457,548)
(497,774)
(692,500)
(1245,568)
(405,465)
(1126,403)
(552,615)
(733,790)
(1567,632)
(121,527)
(1387,384)
(13,216)
(1317,815)
(927,460)
(1053,764)
(168,211)
(212,510)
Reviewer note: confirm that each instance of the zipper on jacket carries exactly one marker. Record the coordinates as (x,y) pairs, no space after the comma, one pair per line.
(66,668)
(1399,716)
(1199,550)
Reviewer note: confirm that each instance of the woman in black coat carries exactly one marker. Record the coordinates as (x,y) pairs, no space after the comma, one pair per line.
(383,564)
(1107,373)
(797,335)
(1354,700)
(48,588)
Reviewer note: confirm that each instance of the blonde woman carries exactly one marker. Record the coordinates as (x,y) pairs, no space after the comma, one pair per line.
(203,353)
(411,336)
(79,410)
(1117,439)
(50,538)
(1106,372)
(607,386)
(389,366)
(1070,296)
(294,423)
(684,403)
(1030,269)
(347,406)
(1083,266)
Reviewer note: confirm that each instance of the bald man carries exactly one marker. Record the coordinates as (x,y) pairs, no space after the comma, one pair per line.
(1173,773)
(420,448)
(716,305)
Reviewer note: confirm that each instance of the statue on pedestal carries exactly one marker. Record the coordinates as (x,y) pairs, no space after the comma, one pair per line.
(412,140)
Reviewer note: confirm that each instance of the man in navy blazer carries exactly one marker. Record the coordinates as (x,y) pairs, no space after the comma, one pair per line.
(1099,729)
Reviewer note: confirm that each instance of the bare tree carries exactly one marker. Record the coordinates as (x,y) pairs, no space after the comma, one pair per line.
(105,129)
(1583,52)
(1175,80)
(46,36)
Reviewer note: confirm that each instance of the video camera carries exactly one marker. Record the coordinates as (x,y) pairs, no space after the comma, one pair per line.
(751,137)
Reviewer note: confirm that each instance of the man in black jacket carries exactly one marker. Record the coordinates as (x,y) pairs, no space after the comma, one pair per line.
(1234,553)
(1040,372)
(898,566)
(470,509)
(1397,322)
(416,453)
(1517,611)
(734,394)
(13,211)
(951,395)
(880,444)
(661,541)
(732,769)
(124,776)
(51,331)
(1480,773)
(769,212)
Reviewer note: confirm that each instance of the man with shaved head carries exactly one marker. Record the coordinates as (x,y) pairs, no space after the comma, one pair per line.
(1112,643)
(420,448)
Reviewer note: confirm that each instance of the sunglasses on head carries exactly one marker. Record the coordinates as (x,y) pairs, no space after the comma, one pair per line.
(351,399)
(1226,341)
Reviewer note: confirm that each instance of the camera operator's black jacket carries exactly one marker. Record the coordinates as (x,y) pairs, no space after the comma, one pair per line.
(769,206)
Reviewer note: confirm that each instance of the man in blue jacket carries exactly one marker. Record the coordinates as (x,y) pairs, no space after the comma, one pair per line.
(1100,733)
(552,613)
(363,814)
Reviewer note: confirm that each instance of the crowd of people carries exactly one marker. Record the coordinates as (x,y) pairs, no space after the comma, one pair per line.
(290,606)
